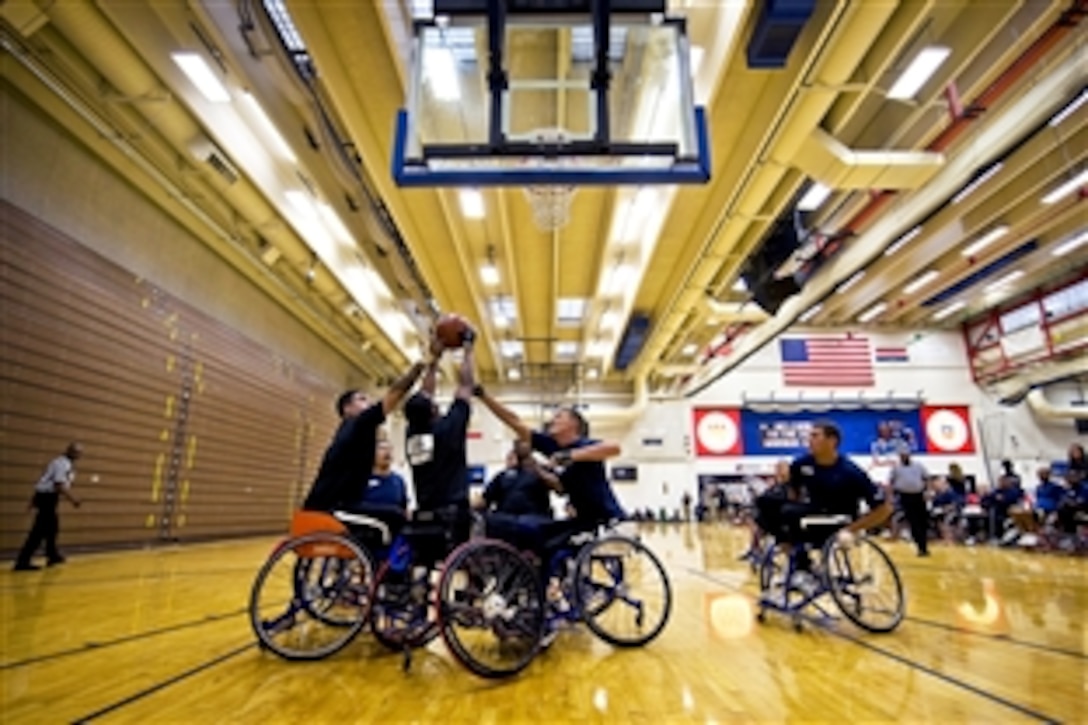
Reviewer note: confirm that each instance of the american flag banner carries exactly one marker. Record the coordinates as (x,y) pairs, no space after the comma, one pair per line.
(892,354)
(841,361)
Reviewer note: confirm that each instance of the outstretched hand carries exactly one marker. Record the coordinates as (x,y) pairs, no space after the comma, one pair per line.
(437,346)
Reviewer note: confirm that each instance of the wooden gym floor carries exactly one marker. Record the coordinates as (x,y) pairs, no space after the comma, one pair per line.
(162,637)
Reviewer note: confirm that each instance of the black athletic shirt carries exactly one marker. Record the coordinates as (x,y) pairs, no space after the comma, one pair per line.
(834,489)
(519,492)
(437,454)
(584,482)
(348,461)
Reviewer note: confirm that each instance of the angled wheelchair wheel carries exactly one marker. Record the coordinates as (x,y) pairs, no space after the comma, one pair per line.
(402,614)
(491,608)
(622,591)
(865,585)
(312,596)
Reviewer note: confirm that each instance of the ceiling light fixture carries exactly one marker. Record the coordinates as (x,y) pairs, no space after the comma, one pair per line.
(690,349)
(1003,281)
(472,203)
(851,282)
(873,312)
(952,308)
(513,374)
(1066,247)
(1069,109)
(920,282)
(740,285)
(920,70)
(902,241)
(815,196)
(200,73)
(489,273)
(268,128)
(985,240)
(977,182)
(810,313)
(1067,188)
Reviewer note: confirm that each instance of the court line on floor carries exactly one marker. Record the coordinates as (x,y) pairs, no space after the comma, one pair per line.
(1023,709)
(997,637)
(163,684)
(30,584)
(95,646)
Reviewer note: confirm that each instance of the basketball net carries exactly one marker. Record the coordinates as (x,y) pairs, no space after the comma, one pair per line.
(551,204)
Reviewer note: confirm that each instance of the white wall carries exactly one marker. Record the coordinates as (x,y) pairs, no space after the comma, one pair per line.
(938,369)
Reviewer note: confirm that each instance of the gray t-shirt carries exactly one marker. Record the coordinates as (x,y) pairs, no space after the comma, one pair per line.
(909,478)
(58,476)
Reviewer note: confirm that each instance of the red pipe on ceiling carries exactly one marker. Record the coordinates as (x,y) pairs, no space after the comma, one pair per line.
(1020,67)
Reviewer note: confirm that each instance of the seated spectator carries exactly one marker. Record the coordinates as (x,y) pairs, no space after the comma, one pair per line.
(957,481)
(946,508)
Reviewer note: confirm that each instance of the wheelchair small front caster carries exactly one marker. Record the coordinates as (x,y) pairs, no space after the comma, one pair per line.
(798,625)
(761,616)
(406,664)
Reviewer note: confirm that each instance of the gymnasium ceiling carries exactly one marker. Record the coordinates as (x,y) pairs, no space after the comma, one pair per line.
(367,281)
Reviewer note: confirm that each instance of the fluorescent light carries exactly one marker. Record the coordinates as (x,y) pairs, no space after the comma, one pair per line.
(268,128)
(920,282)
(570,309)
(333,222)
(503,307)
(1067,188)
(954,307)
(690,349)
(566,348)
(610,320)
(619,278)
(1068,246)
(902,241)
(301,201)
(1069,109)
(513,374)
(810,313)
(985,240)
(851,282)
(873,312)
(977,182)
(598,348)
(511,348)
(500,321)
(815,196)
(1001,282)
(592,373)
(740,285)
(489,273)
(440,72)
(920,70)
(472,204)
(201,75)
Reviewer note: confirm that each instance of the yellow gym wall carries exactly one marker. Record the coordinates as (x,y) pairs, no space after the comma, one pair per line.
(203,405)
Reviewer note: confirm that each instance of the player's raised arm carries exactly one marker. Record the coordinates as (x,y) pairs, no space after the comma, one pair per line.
(504,414)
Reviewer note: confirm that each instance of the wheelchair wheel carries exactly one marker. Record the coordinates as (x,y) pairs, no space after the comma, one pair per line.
(864,584)
(622,591)
(402,614)
(491,608)
(312,596)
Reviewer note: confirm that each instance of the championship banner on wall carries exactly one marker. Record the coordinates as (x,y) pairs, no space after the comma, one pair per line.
(879,433)
(717,432)
(947,429)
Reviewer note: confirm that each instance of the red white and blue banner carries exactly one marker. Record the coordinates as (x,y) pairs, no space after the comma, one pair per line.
(724,432)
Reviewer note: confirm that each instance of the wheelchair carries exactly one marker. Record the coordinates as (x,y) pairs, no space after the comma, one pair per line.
(338,573)
(861,579)
(495,608)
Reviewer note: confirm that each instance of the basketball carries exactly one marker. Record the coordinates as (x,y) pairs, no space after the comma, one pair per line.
(449,330)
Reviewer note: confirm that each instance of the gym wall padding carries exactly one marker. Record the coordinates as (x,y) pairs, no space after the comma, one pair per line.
(191,430)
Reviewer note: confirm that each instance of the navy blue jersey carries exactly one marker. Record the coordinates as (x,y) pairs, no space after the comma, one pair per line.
(439,459)
(834,489)
(348,461)
(519,492)
(384,490)
(585,482)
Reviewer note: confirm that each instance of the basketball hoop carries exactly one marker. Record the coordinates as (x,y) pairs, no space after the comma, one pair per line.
(551,204)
